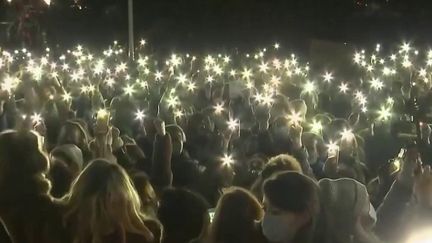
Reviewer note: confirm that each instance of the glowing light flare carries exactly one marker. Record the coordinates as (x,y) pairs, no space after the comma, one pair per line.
(357,58)
(209,79)
(173,101)
(294,118)
(347,135)
(332,149)
(109,82)
(406,63)
(67,97)
(267,100)
(178,114)
(139,115)
(316,127)
(219,108)
(227,160)
(158,76)
(263,67)
(175,60)
(226,59)
(217,69)
(121,68)
(191,86)
(277,64)
(343,87)
(181,78)
(309,87)
(129,90)
(246,74)
(36,118)
(386,71)
(376,84)
(328,77)
(384,114)
(360,97)
(10,83)
(275,81)
(406,47)
(233,124)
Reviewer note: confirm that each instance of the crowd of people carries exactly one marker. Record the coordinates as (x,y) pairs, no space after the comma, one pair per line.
(84,161)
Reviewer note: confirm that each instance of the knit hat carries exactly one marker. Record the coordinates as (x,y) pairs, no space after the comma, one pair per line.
(71,153)
(343,201)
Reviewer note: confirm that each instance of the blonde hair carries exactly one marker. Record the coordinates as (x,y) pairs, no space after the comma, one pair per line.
(103,201)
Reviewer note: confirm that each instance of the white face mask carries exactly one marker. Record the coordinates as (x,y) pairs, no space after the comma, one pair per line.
(276,228)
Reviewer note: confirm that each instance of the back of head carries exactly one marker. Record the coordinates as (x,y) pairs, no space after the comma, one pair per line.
(74,132)
(23,164)
(102,201)
(183,215)
(291,208)
(66,164)
(280,163)
(235,216)
(70,154)
(276,164)
(343,202)
(293,192)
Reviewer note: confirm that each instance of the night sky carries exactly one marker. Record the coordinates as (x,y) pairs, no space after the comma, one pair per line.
(209,24)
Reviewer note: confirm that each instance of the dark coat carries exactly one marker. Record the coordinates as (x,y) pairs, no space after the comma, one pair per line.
(33,219)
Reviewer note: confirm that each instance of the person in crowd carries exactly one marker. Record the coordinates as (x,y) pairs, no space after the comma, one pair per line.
(292,207)
(146,193)
(74,132)
(27,210)
(236,217)
(66,164)
(162,175)
(186,172)
(103,206)
(276,164)
(184,216)
(407,208)
(346,212)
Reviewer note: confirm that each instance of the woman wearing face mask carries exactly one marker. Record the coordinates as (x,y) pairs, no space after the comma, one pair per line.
(291,208)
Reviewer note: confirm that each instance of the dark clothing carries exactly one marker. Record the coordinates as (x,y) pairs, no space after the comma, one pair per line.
(33,219)
(4,236)
(186,172)
(161,167)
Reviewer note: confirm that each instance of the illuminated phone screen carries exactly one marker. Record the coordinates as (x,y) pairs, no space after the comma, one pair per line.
(211,213)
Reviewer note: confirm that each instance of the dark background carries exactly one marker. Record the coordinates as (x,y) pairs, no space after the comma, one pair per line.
(205,25)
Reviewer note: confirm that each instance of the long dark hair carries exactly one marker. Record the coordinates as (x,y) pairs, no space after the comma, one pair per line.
(235,217)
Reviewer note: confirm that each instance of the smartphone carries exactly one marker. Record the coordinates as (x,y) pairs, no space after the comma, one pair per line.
(102,121)
(211,213)
(402,153)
